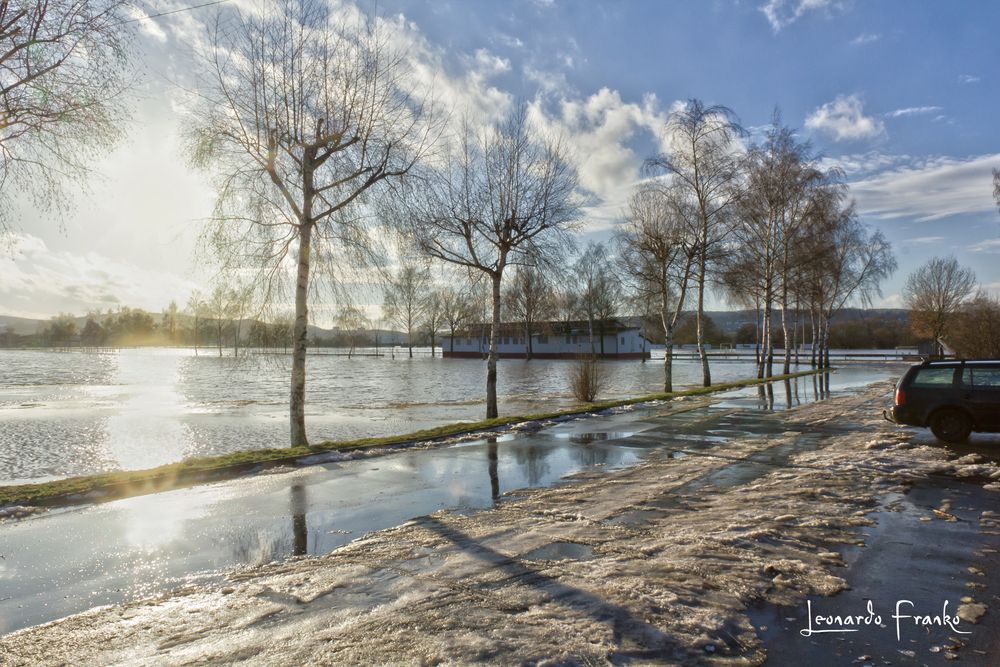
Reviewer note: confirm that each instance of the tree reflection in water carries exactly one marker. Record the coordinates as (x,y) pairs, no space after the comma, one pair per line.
(300,531)
(491,454)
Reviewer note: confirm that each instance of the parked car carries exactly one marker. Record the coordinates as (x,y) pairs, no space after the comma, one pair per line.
(953,398)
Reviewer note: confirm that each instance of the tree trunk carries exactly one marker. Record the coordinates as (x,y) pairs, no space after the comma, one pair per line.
(814,336)
(433,351)
(527,339)
(668,344)
(196,335)
(795,333)
(705,370)
(297,402)
(451,342)
(787,367)
(825,348)
(491,362)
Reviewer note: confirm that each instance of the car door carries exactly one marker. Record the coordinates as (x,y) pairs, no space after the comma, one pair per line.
(983,397)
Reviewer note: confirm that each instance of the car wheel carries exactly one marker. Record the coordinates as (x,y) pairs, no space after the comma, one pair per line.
(951,425)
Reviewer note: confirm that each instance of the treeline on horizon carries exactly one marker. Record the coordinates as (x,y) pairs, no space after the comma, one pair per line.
(134,327)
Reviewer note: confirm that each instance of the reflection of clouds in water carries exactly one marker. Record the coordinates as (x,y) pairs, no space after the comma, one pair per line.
(145,431)
(154,520)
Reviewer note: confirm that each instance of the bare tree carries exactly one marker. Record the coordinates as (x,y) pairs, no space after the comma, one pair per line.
(457,311)
(433,317)
(170,315)
(405,302)
(704,164)
(63,68)
(935,293)
(529,300)
(352,321)
(305,112)
(850,262)
(782,188)
(501,199)
(657,251)
(976,329)
(599,290)
(196,310)
(217,307)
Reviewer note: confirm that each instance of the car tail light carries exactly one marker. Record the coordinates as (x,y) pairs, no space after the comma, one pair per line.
(900,397)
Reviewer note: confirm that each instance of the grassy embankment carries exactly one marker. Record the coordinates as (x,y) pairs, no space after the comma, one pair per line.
(108,486)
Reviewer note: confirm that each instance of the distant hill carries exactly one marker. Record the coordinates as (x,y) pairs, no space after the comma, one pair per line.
(22,326)
(25,326)
(729,321)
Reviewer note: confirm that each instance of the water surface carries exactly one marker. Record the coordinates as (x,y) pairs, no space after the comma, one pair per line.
(74,413)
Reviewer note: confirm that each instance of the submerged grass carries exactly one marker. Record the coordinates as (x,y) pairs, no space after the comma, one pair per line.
(120,484)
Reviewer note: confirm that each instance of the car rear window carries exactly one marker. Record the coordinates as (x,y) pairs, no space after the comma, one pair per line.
(933,377)
(982,377)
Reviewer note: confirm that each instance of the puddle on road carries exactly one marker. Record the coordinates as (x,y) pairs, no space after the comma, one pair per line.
(903,558)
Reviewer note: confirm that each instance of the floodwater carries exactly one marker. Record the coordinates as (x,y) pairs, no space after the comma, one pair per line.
(74,413)
(70,560)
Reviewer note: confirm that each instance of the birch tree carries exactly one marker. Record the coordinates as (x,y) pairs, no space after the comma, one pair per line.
(849,263)
(501,198)
(406,300)
(63,70)
(704,163)
(307,111)
(657,251)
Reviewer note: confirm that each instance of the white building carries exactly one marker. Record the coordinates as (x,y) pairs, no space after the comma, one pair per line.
(553,340)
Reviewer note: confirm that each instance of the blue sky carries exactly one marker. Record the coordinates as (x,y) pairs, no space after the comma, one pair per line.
(902,95)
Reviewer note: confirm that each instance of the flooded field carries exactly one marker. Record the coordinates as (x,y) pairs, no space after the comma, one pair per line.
(72,413)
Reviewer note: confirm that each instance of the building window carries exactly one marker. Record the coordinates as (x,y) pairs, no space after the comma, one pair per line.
(568,339)
(623,340)
(543,339)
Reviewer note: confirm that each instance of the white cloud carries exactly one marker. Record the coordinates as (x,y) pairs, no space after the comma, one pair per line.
(913,111)
(844,120)
(865,163)
(598,130)
(148,25)
(929,189)
(865,38)
(922,240)
(968,78)
(989,246)
(488,63)
(894,300)
(782,13)
(37,281)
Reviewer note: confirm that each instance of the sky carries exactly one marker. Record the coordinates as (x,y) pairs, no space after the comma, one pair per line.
(901,94)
